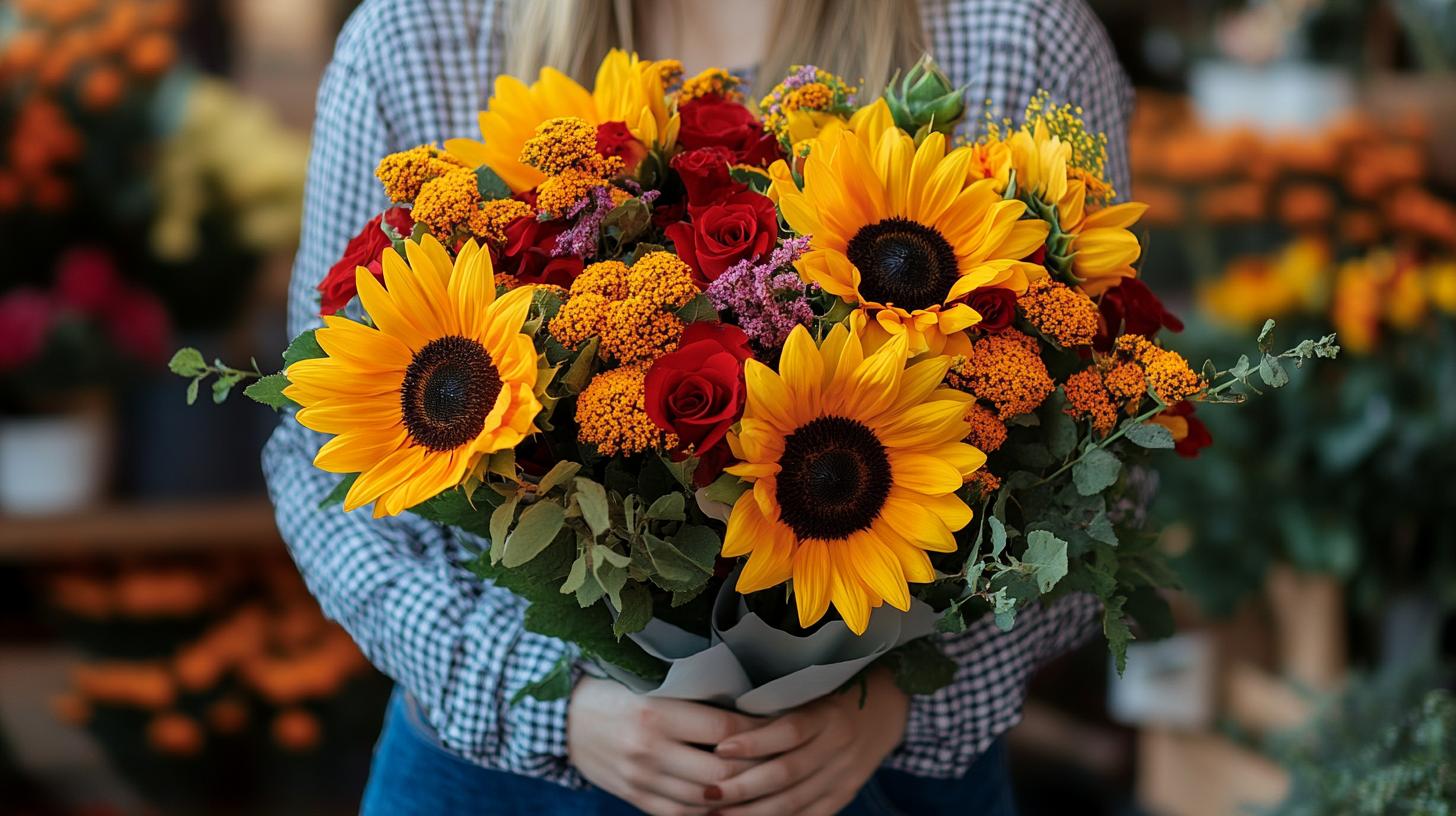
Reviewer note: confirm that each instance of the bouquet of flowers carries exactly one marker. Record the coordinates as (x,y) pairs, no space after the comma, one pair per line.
(745,400)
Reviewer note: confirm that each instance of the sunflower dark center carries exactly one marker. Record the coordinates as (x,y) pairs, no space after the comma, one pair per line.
(835,477)
(449,389)
(904,263)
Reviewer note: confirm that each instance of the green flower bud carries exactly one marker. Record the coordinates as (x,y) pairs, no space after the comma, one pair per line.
(923,100)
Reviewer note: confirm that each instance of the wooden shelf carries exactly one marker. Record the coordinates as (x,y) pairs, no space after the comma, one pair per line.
(213,524)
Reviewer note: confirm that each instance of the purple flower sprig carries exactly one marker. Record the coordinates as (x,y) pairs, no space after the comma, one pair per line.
(767,299)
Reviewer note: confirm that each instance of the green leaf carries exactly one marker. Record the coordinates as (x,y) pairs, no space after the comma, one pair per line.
(1242,368)
(553,685)
(188,362)
(580,371)
(756,181)
(684,561)
(920,667)
(223,385)
(1100,529)
(726,489)
(1272,372)
(998,535)
(609,567)
(455,509)
(1061,435)
(1047,556)
(1096,471)
(636,610)
(537,527)
(559,474)
(1264,333)
(336,496)
(668,507)
(500,525)
(697,310)
(1115,629)
(490,184)
(192,390)
(1149,435)
(576,579)
(626,223)
(269,391)
(304,347)
(591,497)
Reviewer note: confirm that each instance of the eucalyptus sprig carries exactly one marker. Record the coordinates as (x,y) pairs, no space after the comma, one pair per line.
(267,388)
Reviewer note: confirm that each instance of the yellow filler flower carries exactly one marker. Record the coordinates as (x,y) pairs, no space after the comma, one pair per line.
(444,380)
(855,462)
(627,89)
(897,230)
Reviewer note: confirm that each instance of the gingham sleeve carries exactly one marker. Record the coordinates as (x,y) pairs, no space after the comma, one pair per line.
(1005,51)
(395,585)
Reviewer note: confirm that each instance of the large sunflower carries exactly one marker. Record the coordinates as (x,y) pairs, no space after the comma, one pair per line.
(1102,248)
(897,230)
(627,89)
(446,379)
(855,462)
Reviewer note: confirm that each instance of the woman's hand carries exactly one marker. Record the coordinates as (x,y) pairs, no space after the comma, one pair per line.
(641,749)
(822,753)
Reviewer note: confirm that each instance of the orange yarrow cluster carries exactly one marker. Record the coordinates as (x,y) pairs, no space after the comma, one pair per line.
(610,414)
(1005,370)
(631,309)
(1065,315)
(565,150)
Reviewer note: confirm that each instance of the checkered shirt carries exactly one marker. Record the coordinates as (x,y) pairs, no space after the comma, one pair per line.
(407,72)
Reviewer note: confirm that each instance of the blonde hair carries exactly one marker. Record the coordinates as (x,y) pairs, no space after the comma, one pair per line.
(859,39)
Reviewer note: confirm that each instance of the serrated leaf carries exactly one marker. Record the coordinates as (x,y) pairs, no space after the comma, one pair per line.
(1096,471)
(668,507)
(1149,435)
(635,610)
(591,497)
(188,362)
(553,685)
(537,527)
(192,390)
(304,347)
(222,386)
(559,474)
(1047,556)
(269,391)
(490,184)
(697,310)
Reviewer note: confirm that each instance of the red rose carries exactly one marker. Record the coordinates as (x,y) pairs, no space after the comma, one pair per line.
(743,226)
(715,121)
(997,307)
(1132,308)
(26,317)
(697,393)
(527,253)
(704,174)
(614,139)
(338,286)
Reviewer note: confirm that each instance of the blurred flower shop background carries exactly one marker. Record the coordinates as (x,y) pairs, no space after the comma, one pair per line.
(159,654)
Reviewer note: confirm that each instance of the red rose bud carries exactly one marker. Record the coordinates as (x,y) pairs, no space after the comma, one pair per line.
(995,305)
(741,227)
(527,253)
(1132,308)
(338,286)
(704,174)
(614,139)
(712,121)
(697,392)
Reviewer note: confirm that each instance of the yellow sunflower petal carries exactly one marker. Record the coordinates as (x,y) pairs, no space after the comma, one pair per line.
(924,473)
(812,580)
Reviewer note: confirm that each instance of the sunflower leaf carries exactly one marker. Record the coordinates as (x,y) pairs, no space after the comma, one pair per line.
(1116,630)
(304,347)
(269,391)
(537,527)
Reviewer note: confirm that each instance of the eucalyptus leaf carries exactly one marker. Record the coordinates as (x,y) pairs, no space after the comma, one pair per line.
(668,507)
(536,528)
(591,497)
(559,474)
(1096,471)
(1149,435)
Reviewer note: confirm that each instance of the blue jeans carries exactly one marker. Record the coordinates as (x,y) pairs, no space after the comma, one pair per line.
(413,775)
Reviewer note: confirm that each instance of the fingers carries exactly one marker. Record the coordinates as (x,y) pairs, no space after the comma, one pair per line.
(823,792)
(660,806)
(779,774)
(776,737)
(693,723)
(696,765)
